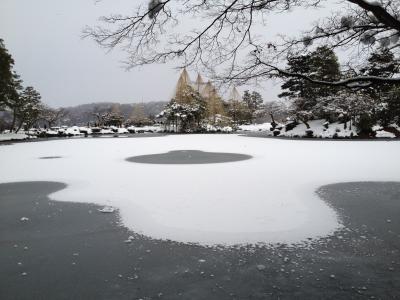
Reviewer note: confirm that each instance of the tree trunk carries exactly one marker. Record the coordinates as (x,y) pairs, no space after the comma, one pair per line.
(350,122)
(273,123)
(13,120)
(305,123)
(19,126)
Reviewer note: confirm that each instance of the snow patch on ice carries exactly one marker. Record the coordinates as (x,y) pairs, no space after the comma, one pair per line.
(107,209)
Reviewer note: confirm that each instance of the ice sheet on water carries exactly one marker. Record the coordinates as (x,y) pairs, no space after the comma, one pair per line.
(269,198)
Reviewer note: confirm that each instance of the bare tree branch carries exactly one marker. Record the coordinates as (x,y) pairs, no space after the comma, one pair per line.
(227,38)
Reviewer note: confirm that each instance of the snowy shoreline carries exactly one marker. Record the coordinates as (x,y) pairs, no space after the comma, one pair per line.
(318,130)
(242,133)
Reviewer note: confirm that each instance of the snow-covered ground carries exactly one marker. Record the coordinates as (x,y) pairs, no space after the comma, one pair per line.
(269,198)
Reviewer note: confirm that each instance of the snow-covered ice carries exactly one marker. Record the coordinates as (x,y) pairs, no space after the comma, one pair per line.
(269,198)
(107,209)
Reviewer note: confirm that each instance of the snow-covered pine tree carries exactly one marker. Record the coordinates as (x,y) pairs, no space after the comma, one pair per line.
(138,117)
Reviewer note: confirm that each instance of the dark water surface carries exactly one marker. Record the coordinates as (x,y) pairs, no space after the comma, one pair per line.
(188,157)
(73,251)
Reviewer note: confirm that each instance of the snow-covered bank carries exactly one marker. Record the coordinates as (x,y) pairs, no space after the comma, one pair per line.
(318,129)
(13,136)
(269,198)
(145,129)
(75,131)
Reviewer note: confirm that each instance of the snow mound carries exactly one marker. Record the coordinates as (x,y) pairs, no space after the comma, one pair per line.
(256,127)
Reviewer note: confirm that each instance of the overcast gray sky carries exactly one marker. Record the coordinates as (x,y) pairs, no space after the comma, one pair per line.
(44,38)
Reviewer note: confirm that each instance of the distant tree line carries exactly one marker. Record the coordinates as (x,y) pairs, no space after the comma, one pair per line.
(113,116)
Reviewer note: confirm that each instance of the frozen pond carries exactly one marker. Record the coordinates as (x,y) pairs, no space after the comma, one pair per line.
(58,250)
(269,198)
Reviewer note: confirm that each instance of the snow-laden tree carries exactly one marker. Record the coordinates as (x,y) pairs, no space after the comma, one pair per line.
(112,119)
(138,117)
(110,116)
(305,95)
(253,103)
(253,100)
(239,112)
(229,36)
(8,78)
(321,63)
(277,111)
(27,109)
(52,116)
(345,106)
(185,116)
(24,104)
(380,63)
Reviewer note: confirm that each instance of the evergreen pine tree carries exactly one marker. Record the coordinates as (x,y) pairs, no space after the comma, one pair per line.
(7,77)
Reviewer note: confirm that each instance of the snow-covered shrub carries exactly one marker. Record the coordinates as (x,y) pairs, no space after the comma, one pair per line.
(289,126)
(309,133)
(364,124)
(227,129)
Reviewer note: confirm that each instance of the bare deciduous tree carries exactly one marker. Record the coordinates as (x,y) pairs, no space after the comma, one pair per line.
(154,34)
(52,116)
